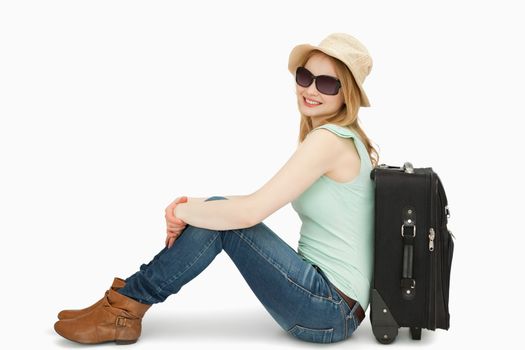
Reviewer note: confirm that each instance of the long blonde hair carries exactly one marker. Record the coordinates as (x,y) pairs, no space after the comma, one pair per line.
(347,115)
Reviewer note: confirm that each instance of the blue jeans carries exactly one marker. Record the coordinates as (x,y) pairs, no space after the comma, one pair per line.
(296,293)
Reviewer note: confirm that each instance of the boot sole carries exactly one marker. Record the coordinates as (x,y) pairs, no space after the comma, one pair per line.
(117,341)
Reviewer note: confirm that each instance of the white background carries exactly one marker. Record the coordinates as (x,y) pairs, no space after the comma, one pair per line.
(109,110)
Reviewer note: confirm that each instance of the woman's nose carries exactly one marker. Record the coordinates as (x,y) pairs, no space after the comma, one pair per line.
(312,89)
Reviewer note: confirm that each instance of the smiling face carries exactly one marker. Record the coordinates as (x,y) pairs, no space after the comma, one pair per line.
(322,105)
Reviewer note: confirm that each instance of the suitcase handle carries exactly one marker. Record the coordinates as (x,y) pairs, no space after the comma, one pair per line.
(408,284)
(406,168)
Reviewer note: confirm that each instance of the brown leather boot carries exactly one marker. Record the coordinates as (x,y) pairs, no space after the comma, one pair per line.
(117,318)
(64,314)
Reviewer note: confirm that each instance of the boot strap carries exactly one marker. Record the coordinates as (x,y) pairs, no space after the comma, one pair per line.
(120,313)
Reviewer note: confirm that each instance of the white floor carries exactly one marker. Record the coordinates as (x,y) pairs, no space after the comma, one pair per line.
(218,309)
(241,328)
(237,329)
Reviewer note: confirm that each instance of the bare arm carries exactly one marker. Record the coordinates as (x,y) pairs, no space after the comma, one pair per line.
(215,215)
(175,225)
(316,155)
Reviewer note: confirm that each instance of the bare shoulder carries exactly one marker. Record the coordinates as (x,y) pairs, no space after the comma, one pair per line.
(324,137)
(316,155)
(324,141)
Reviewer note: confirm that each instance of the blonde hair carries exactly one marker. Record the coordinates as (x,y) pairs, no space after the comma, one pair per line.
(347,115)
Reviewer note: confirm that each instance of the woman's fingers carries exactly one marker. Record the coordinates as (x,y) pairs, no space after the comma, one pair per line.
(174,225)
(169,212)
(170,209)
(171,238)
(173,233)
(175,230)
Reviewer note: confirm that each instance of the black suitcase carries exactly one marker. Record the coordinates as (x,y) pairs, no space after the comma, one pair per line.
(413,252)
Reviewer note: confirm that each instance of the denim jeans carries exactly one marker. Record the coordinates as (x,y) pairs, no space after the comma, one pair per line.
(296,293)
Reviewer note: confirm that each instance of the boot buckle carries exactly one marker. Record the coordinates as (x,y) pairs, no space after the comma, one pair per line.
(120,321)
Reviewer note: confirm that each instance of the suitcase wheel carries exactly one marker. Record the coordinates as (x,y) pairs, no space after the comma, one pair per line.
(415,332)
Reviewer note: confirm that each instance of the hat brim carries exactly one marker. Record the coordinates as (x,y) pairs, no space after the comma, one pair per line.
(299,52)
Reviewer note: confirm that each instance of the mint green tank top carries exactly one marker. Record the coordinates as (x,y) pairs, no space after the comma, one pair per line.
(337,231)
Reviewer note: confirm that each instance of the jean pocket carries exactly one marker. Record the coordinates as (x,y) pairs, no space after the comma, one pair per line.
(313,335)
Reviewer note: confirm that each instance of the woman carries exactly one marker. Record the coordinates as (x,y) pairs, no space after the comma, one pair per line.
(316,294)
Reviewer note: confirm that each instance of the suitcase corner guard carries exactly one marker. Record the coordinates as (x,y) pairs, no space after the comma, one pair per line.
(384,325)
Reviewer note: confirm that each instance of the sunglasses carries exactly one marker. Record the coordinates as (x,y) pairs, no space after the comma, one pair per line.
(325,84)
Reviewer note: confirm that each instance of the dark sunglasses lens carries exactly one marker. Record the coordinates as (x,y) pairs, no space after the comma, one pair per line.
(303,77)
(327,85)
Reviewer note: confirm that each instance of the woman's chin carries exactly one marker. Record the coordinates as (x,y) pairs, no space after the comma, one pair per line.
(309,111)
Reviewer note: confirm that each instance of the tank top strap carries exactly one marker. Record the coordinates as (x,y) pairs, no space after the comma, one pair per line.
(337,129)
(346,133)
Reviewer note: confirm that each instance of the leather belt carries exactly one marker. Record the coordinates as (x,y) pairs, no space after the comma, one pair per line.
(359,312)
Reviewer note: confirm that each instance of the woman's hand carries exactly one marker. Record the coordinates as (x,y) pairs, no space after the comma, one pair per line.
(174,225)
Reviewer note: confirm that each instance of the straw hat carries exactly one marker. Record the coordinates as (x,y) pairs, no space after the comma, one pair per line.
(345,48)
